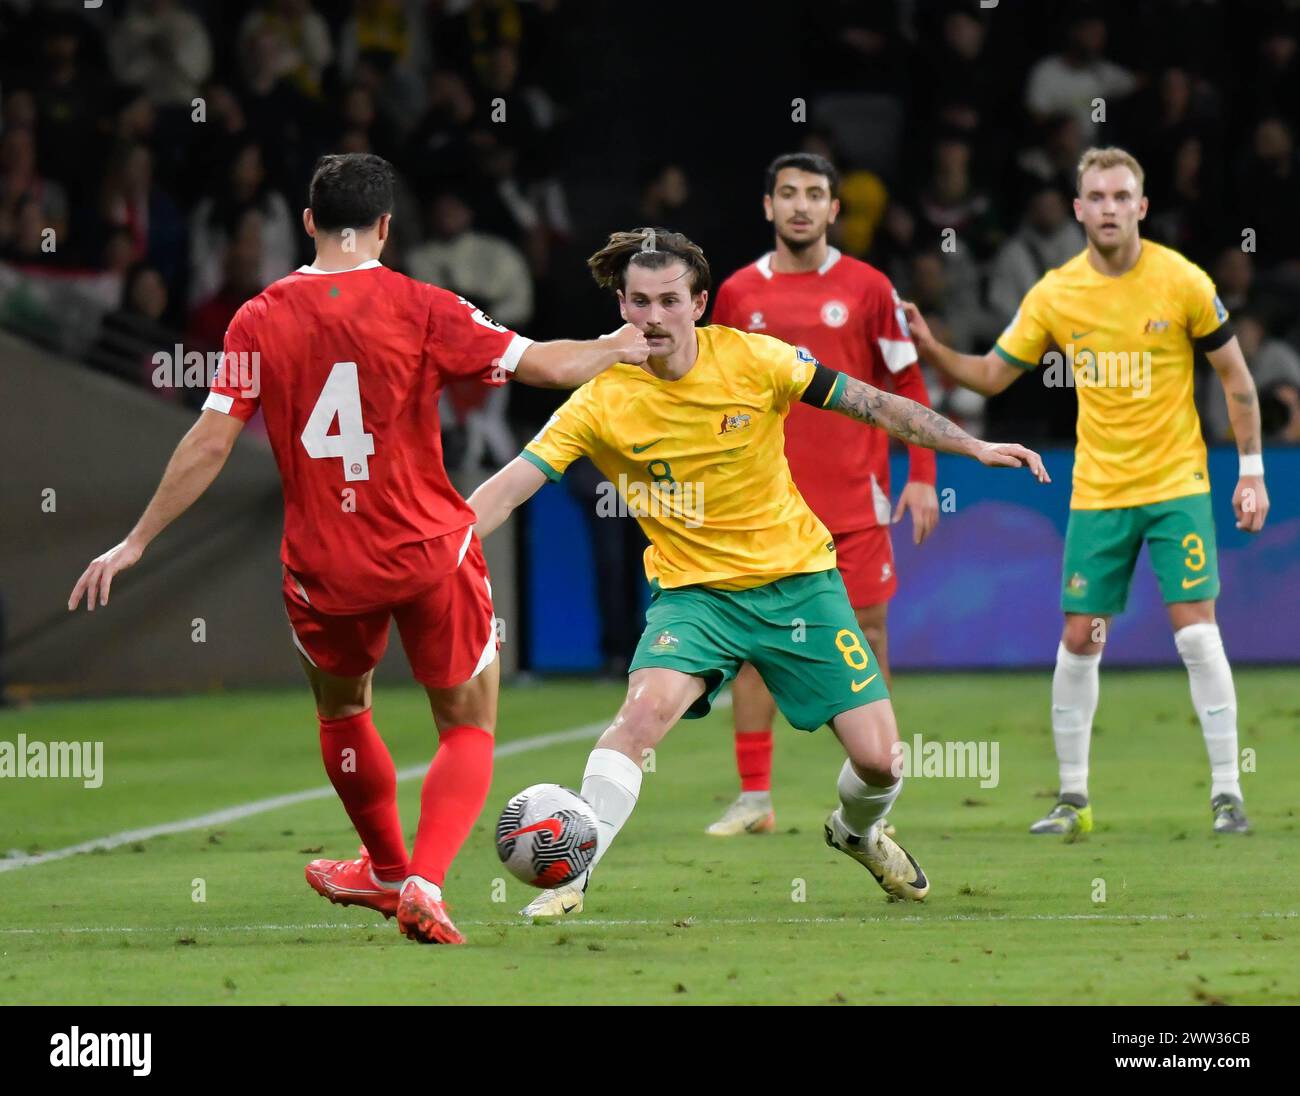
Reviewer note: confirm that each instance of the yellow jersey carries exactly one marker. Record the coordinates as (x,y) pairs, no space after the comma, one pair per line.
(700,461)
(1126,344)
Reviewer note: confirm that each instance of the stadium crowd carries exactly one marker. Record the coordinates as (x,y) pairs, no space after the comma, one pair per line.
(154,154)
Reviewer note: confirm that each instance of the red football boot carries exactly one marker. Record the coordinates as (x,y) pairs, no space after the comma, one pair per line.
(351,883)
(425,919)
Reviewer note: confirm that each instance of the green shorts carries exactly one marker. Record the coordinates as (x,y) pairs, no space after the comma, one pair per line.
(1102,546)
(799,632)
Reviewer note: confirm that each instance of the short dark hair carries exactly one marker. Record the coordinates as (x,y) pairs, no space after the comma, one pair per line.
(350,190)
(810,162)
(653,248)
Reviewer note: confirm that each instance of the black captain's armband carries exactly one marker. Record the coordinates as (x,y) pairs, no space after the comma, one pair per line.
(1220,336)
(819,388)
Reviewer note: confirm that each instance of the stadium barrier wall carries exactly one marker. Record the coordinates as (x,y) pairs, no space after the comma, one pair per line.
(82,455)
(984,590)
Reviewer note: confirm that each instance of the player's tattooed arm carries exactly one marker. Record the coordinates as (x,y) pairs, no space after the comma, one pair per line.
(917,424)
(1250,499)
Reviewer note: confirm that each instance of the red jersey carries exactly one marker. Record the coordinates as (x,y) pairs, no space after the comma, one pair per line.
(847,315)
(347,367)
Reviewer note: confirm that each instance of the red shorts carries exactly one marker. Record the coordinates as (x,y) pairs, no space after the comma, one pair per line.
(447,630)
(866,561)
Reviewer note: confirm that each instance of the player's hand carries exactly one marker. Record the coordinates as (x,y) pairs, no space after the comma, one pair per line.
(1250,503)
(916,324)
(1009,455)
(629,344)
(96,580)
(922,502)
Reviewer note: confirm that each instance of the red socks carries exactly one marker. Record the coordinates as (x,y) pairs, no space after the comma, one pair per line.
(754,760)
(451,799)
(361,770)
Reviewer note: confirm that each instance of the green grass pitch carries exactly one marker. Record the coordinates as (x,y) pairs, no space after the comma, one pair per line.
(673,915)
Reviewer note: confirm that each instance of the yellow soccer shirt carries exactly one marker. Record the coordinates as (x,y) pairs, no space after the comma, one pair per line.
(1127,343)
(700,461)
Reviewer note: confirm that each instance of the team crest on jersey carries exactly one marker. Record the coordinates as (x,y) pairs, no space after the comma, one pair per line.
(1156,327)
(756,322)
(1078,585)
(835,313)
(885,572)
(665,644)
(732,423)
(479,316)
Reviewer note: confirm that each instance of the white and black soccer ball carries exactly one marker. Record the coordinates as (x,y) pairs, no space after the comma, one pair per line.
(546,836)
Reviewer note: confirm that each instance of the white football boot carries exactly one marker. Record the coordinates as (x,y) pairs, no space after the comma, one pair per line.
(751,813)
(891,865)
(559,901)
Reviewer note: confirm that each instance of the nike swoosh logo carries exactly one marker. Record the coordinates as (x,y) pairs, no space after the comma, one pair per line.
(1216,711)
(554,825)
(643,448)
(1081,334)
(569,909)
(858,686)
(1189,583)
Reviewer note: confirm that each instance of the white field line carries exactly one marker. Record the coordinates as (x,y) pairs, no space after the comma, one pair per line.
(273,803)
(596,922)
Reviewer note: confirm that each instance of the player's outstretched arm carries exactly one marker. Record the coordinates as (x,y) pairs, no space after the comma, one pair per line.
(201,454)
(917,424)
(1250,499)
(987,375)
(496,498)
(568,363)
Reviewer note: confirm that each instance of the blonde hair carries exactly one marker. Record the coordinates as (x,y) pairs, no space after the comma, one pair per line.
(1102,158)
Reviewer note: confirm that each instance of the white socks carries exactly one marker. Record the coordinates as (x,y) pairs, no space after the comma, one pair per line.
(1215,701)
(861,804)
(1074,703)
(611,784)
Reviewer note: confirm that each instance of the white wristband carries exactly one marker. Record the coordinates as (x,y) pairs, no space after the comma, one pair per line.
(1250,464)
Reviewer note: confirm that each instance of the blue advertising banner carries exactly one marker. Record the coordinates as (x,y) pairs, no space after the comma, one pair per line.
(984,590)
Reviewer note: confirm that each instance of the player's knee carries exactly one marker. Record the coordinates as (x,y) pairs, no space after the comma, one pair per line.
(1084,635)
(641,723)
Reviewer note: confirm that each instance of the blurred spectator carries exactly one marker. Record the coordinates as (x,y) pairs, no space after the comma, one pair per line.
(950,199)
(1071,82)
(162,48)
(24,195)
(287,39)
(220,216)
(480,267)
(1269,184)
(381,47)
(1234,277)
(1048,237)
(1186,215)
(132,335)
(1054,158)
(1275,365)
(129,199)
(440,137)
(241,280)
(69,103)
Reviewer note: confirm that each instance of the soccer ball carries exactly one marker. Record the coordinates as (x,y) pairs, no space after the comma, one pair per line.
(546,836)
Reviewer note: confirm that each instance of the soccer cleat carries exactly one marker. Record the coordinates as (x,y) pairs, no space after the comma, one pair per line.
(559,901)
(1065,819)
(351,883)
(891,865)
(744,817)
(1229,814)
(423,918)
